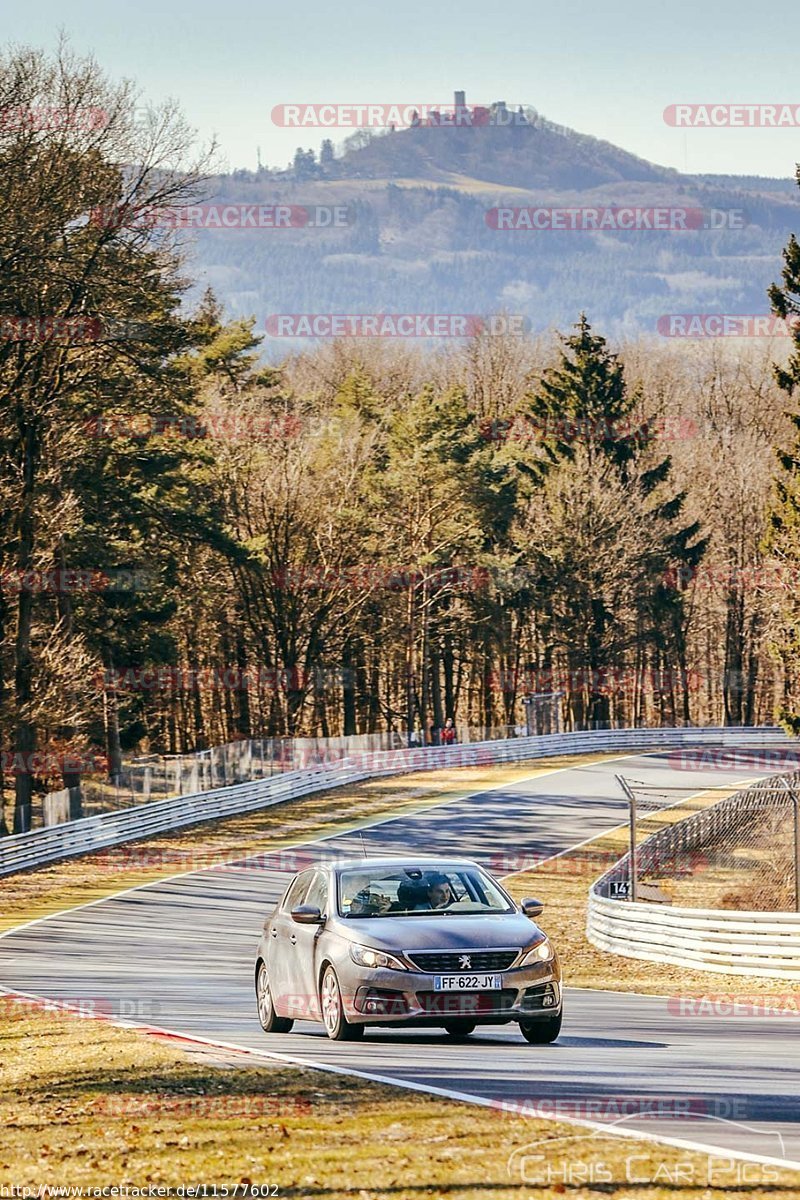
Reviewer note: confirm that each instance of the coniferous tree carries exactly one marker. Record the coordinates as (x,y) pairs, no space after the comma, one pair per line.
(604,532)
(783,539)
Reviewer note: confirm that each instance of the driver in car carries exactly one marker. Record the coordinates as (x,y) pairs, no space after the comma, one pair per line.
(439,892)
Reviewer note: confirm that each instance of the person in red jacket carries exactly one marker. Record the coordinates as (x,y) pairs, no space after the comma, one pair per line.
(448,733)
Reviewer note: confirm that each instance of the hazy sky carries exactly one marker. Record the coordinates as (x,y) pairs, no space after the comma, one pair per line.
(608,69)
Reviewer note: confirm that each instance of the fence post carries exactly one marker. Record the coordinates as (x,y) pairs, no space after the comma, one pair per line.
(632,851)
(796,806)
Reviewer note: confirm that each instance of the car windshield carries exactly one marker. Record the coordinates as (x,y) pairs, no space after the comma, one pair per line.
(410,890)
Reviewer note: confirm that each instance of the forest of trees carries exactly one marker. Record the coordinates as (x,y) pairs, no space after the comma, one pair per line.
(427,247)
(196,547)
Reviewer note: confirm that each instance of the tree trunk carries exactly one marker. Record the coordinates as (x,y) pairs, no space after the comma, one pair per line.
(411,665)
(348,690)
(25,740)
(598,702)
(245,720)
(436,689)
(3,614)
(448,662)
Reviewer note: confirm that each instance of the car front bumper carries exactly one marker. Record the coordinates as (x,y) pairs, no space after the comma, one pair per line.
(390,997)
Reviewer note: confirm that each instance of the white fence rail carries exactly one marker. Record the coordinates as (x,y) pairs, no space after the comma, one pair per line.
(764,944)
(737,943)
(25,850)
(145,780)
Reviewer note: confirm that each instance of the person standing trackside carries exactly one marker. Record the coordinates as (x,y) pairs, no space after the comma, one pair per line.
(448,733)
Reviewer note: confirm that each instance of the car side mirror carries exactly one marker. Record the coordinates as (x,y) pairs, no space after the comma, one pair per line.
(307,914)
(532,908)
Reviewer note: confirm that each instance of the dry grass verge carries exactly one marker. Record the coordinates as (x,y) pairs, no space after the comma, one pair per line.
(83,1103)
(86,1104)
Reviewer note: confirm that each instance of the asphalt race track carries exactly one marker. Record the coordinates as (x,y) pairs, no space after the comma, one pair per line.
(180,955)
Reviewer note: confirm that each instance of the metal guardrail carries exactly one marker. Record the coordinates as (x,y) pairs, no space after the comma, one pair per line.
(22,851)
(764,944)
(155,777)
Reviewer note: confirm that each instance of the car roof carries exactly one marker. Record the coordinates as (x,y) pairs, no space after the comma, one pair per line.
(406,860)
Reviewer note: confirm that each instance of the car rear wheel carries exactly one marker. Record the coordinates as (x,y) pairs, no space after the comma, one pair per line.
(337,1027)
(542,1030)
(459,1029)
(270,1022)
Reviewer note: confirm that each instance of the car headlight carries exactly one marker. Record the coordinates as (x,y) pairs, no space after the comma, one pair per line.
(365,956)
(541,952)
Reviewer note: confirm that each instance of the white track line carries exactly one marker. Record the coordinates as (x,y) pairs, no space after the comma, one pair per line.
(611,1130)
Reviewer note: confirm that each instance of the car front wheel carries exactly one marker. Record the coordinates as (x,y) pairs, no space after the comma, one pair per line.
(337,1027)
(270,1022)
(542,1030)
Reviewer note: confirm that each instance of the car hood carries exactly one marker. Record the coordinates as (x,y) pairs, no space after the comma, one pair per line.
(441,932)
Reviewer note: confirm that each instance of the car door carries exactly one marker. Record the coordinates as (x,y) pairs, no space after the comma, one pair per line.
(280,955)
(304,943)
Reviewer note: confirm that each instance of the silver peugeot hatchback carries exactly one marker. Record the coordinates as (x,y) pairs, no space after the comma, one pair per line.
(410,941)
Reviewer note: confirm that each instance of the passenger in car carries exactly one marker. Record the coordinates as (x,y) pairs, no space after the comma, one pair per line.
(366,903)
(410,896)
(438,892)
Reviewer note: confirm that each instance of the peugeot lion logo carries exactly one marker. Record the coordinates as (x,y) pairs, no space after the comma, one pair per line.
(465,962)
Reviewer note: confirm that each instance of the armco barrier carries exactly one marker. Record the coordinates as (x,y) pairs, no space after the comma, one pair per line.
(765,944)
(25,850)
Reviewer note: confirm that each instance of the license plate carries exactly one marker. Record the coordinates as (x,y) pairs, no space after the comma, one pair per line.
(467,983)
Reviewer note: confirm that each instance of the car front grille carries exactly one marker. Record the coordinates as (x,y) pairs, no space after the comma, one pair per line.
(465,1004)
(446,962)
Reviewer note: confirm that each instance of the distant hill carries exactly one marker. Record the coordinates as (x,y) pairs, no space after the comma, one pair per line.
(417,237)
(536,154)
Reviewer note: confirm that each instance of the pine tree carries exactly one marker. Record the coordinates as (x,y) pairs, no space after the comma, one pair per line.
(64,262)
(608,534)
(783,538)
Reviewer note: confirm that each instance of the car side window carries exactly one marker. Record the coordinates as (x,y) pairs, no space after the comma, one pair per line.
(297,892)
(318,892)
